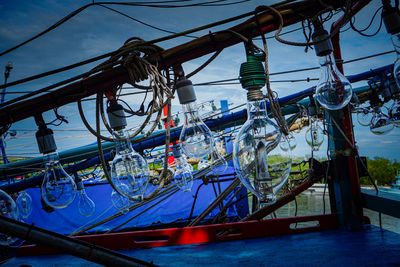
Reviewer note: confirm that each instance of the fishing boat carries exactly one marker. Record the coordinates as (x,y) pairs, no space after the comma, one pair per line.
(395,186)
(396,183)
(204,191)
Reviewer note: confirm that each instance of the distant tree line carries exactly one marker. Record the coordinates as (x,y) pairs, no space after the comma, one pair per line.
(382,170)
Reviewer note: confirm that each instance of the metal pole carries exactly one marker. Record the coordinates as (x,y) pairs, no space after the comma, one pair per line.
(88,152)
(346,184)
(66,244)
(216,202)
(9,67)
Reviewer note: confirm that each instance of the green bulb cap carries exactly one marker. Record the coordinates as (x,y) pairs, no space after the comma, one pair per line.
(252,72)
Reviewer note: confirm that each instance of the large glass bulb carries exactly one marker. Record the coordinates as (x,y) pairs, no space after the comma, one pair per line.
(183,176)
(380,123)
(262,166)
(8,209)
(86,206)
(396,67)
(218,163)
(290,144)
(58,188)
(24,204)
(315,134)
(129,168)
(119,201)
(333,90)
(196,139)
(394,113)
(203,163)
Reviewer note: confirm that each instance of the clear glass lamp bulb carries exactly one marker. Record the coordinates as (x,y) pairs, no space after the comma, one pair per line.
(262,166)
(119,201)
(182,175)
(86,206)
(380,123)
(290,144)
(314,135)
(24,204)
(203,163)
(196,139)
(58,188)
(333,90)
(394,113)
(218,162)
(396,68)
(129,170)
(364,116)
(8,209)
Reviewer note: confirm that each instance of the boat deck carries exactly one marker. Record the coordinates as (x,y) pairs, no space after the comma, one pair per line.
(371,246)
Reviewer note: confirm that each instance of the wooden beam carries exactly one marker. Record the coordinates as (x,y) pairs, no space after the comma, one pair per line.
(106,80)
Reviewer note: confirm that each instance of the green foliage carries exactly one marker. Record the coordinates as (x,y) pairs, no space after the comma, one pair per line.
(382,170)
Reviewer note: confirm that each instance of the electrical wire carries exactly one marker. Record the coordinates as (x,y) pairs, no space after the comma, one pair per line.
(79,10)
(276,81)
(38,76)
(114,52)
(144,23)
(204,64)
(361,32)
(201,84)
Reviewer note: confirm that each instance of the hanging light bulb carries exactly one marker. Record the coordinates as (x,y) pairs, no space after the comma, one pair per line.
(213,106)
(391,19)
(315,134)
(394,110)
(24,204)
(183,176)
(262,166)
(8,209)
(354,101)
(333,90)
(196,139)
(290,144)
(128,167)
(396,68)
(364,116)
(394,113)
(218,162)
(203,163)
(58,188)
(380,123)
(120,202)
(177,120)
(292,141)
(86,206)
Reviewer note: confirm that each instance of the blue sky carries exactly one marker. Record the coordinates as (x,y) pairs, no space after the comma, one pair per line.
(97,30)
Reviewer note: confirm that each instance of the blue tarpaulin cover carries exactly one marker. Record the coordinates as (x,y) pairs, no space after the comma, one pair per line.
(175,208)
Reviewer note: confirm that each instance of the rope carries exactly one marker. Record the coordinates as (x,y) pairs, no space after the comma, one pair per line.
(164,171)
(274,104)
